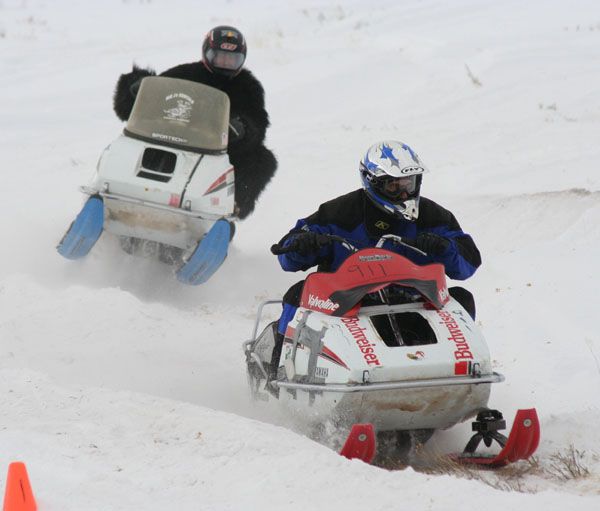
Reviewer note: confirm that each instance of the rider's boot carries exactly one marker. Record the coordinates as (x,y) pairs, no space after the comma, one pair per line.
(275,356)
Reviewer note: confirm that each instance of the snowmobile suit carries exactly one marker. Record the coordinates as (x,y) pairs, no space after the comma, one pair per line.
(255,165)
(354,217)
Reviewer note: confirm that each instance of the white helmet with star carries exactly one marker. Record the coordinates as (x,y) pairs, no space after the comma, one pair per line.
(391,175)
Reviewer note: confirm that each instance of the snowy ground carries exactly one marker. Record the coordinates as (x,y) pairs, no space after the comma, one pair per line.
(121,389)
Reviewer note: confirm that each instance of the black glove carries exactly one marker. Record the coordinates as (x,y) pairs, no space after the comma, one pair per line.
(308,243)
(237,130)
(430,243)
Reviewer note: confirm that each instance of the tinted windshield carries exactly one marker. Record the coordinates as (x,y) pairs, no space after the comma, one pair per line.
(178,112)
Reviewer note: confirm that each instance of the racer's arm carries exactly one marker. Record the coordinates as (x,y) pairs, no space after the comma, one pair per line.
(341,216)
(244,134)
(460,255)
(248,107)
(303,260)
(126,90)
(439,234)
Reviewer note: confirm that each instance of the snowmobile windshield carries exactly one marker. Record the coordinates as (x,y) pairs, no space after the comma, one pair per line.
(179,113)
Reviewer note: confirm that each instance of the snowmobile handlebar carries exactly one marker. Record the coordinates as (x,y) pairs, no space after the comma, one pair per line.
(278,248)
(397,240)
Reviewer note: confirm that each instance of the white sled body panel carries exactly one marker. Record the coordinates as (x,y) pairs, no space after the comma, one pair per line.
(175,208)
(340,369)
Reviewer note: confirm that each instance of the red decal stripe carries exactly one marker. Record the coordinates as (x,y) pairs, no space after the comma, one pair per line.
(330,355)
(219,183)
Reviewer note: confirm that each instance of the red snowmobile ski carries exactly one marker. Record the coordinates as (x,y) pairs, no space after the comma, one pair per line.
(360,443)
(521,444)
(522,441)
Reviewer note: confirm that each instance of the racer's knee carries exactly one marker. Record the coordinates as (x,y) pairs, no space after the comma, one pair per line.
(465,298)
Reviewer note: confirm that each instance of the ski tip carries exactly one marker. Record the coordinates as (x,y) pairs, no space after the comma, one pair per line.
(18,495)
(208,256)
(360,443)
(84,231)
(528,432)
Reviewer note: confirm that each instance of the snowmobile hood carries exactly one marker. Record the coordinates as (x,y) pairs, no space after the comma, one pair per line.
(368,271)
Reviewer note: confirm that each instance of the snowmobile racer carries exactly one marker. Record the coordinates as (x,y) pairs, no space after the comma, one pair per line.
(165,185)
(354,347)
(349,361)
(389,202)
(223,56)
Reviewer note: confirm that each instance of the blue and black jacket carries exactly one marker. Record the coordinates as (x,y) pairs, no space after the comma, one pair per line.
(354,216)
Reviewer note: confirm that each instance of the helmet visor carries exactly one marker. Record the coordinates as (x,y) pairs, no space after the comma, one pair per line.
(396,189)
(225,59)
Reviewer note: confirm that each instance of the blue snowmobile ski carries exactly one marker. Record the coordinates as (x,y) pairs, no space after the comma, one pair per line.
(208,256)
(84,231)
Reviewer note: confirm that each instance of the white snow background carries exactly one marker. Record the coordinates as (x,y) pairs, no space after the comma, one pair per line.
(122,389)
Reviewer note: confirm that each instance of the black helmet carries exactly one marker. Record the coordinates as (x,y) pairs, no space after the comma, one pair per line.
(224,50)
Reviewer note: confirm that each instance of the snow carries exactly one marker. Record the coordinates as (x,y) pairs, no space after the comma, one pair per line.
(122,389)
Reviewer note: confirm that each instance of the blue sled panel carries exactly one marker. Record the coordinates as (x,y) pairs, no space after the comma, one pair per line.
(84,231)
(208,256)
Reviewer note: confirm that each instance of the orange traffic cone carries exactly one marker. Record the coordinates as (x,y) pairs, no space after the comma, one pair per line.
(18,495)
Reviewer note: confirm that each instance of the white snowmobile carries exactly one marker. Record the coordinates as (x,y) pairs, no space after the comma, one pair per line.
(380,345)
(165,183)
